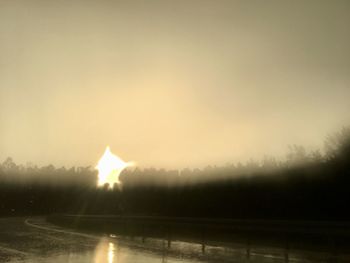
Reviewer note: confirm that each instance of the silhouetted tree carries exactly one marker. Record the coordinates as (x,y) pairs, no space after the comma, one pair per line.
(305,186)
(337,145)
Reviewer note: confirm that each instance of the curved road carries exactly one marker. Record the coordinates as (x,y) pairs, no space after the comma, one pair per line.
(34,240)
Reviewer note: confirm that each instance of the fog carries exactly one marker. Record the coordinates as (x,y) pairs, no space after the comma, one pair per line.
(170,84)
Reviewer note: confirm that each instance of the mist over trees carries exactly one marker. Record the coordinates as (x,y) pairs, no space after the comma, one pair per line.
(306,185)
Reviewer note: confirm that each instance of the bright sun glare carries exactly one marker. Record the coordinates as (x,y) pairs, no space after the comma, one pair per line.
(109,168)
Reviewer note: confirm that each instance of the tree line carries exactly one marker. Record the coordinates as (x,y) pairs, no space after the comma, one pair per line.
(305,186)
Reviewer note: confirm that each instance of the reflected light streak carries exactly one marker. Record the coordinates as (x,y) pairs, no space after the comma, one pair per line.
(106,252)
(111,250)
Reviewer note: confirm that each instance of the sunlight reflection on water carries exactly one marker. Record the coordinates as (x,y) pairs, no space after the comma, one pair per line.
(112,252)
(105,251)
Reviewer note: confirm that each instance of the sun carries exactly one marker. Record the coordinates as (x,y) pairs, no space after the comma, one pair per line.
(109,168)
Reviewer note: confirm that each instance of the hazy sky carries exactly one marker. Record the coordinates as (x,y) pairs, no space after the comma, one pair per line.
(170,83)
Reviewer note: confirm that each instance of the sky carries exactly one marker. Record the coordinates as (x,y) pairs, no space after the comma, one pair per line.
(171,84)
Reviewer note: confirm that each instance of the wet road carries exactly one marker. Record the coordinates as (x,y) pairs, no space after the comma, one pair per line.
(34,240)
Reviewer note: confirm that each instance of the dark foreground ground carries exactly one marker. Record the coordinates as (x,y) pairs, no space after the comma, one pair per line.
(34,240)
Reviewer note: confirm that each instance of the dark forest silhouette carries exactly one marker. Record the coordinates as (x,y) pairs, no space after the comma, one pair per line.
(306,186)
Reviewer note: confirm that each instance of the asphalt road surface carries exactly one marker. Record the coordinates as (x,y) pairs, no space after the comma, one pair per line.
(34,240)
